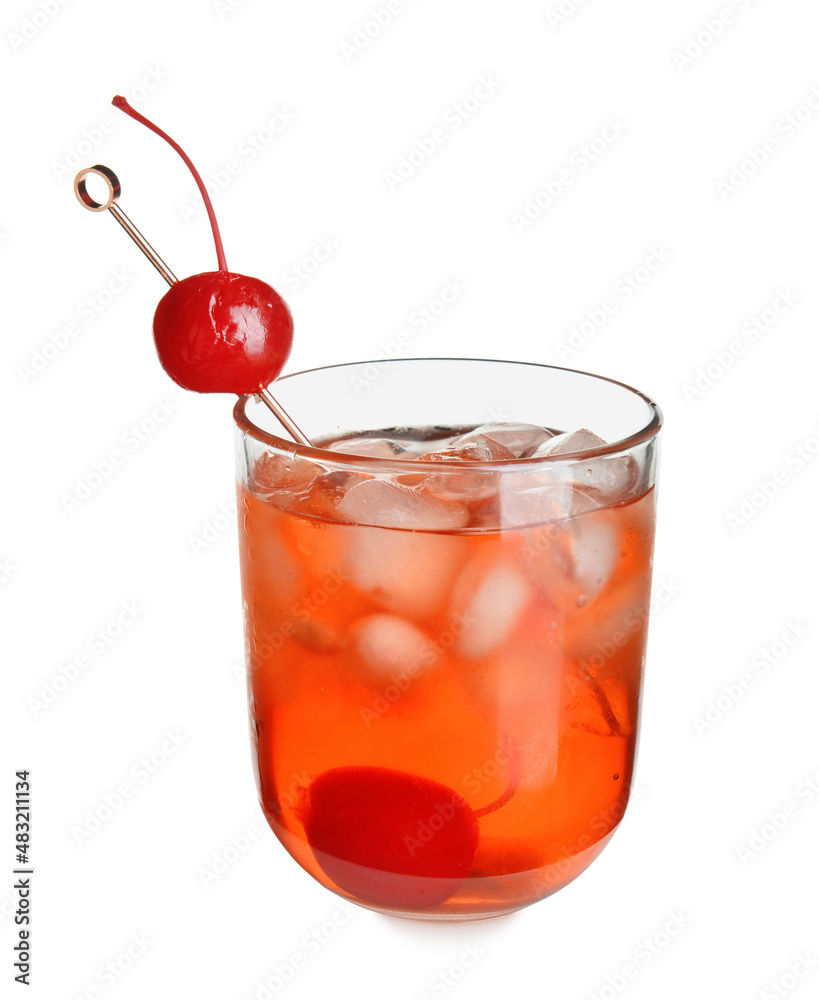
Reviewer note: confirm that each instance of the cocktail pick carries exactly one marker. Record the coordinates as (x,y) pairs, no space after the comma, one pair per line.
(110,204)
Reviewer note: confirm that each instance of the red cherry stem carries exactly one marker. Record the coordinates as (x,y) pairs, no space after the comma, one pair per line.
(511,788)
(493,806)
(123,105)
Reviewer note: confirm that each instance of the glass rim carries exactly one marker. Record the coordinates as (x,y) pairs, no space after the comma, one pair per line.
(323,455)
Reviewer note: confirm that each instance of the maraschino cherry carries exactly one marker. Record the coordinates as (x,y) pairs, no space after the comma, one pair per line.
(390,838)
(218,331)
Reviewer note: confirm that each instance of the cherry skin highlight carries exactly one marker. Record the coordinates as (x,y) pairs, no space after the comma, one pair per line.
(390,838)
(222,332)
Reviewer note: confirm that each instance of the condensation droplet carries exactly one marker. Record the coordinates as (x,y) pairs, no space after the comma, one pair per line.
(582,601)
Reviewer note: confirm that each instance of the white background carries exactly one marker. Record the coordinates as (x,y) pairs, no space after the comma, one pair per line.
(722,831)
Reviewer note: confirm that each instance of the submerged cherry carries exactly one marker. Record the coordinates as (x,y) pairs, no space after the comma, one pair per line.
(390,838)
(218,331)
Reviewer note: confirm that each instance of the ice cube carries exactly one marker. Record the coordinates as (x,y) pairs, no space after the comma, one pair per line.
(318,636)
(573,560)
(273,574)
(608,475)
(466,485)
(387,505)
(479,448)
(372,447)
(404,571)
(611,477)
(565,444)
(389,645)
(519,438)
(598,705)
(490,596)
(611,630)
(274,474)
(594,552)
(429,444)
(325,493)
(534,498)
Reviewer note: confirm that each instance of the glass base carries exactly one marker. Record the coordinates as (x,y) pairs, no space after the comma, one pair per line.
(482,897)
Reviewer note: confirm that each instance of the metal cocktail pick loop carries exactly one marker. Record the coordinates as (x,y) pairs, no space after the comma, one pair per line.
(110,204)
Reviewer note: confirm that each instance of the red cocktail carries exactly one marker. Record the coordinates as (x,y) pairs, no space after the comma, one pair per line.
(446,630)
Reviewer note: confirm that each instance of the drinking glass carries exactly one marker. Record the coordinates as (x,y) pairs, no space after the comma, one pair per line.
(445,657)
